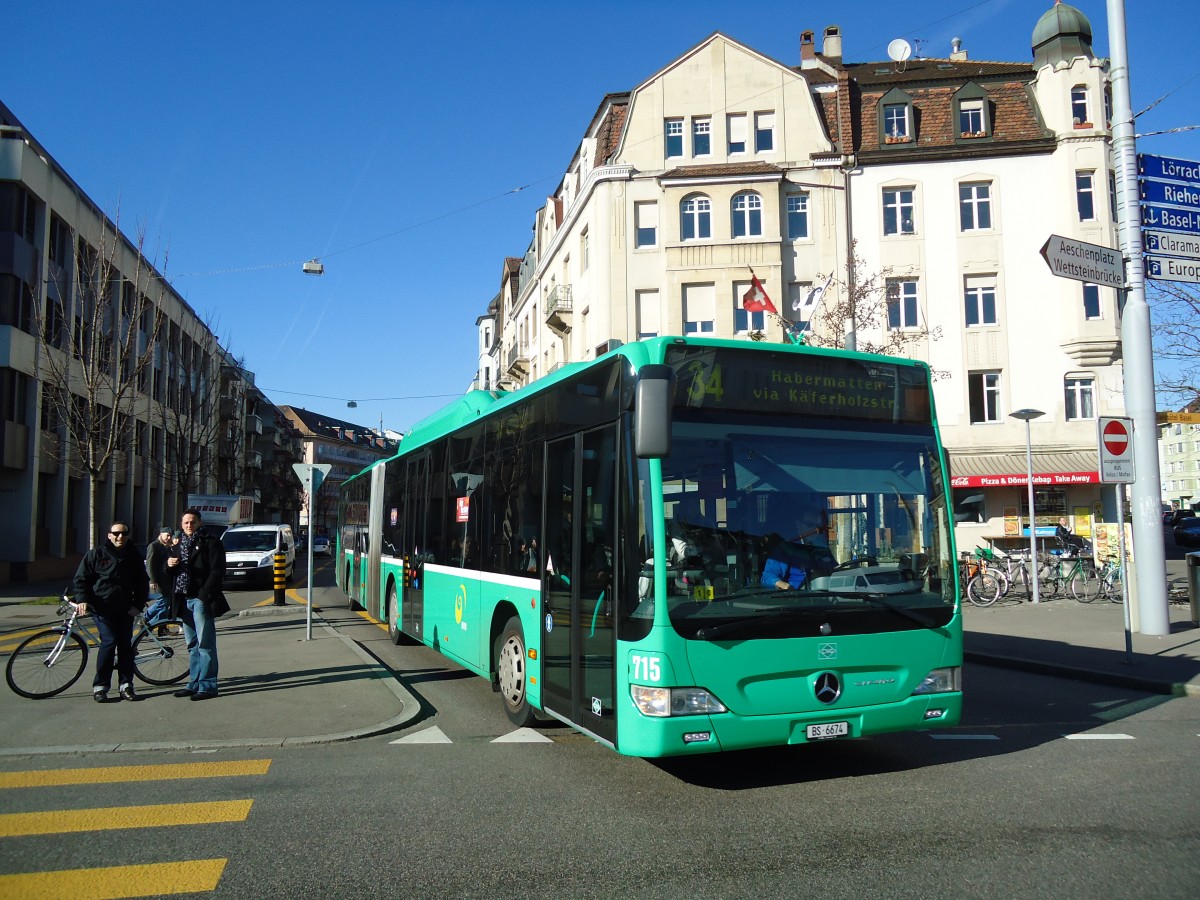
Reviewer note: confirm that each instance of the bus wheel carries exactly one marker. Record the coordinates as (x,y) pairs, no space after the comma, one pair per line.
(511,675)
(393,616)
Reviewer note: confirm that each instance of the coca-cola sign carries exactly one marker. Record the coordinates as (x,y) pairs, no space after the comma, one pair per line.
(1042,479)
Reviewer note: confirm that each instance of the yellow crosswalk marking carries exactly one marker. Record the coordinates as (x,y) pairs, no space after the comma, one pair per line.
(154,879)
(116,774)
(118,817)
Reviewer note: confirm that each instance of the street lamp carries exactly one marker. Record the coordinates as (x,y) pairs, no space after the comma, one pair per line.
(1026,416)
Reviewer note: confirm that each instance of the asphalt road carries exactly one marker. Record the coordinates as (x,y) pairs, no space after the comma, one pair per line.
(1050,788)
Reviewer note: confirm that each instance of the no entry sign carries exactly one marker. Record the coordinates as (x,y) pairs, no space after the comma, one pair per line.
(1116,450)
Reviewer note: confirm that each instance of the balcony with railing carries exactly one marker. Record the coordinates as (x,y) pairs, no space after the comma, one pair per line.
(254,424)
(518,360)
(560,309)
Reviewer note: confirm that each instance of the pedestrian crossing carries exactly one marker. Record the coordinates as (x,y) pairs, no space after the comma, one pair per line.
(435,735)
(112,881)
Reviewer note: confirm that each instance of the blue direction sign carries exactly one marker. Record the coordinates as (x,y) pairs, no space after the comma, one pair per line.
(1171,193)
(1168,169)
(1166,218)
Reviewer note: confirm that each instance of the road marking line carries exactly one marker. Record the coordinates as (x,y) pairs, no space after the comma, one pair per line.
(118,817)
(432,735)
(152,879)
(1099,737)
(965,737)
(114,774)
(523,736)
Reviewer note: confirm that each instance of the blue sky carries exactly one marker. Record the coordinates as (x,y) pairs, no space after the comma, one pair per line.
(388,138)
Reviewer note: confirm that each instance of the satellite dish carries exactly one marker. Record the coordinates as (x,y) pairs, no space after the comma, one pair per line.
(899,50)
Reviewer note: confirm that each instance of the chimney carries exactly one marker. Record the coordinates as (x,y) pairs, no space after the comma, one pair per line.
(808,51)
(957,53)
(831,46)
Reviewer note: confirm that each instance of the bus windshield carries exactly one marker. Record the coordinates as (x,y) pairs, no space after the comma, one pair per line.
(774,528)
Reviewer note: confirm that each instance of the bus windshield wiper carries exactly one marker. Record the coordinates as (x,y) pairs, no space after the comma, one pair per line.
(713,632)
(879,600)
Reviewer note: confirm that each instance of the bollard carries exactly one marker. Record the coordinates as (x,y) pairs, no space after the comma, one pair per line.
(1193,581)
(280,579)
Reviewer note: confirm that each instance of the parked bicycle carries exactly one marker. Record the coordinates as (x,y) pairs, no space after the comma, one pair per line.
(980,583)
(50,661)
(1068,570)
(1111,578)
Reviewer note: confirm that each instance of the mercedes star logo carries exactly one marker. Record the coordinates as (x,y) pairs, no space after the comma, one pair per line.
(827,687)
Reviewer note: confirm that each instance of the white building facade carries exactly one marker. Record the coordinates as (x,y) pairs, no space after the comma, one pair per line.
(946,176)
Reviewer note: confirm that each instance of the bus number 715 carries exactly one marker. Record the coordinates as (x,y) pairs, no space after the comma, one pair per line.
(645,668)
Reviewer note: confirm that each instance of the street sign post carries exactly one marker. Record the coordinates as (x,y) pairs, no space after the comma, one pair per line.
(312,476)
(1116,450)
(1081,261)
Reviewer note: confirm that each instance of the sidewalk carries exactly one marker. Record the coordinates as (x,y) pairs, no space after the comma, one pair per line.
(279,689)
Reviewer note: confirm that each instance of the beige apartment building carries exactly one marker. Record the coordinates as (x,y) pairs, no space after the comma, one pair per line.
(945,174)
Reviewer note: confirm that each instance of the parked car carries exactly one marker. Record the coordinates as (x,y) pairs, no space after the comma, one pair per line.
(322,546)
(1177,514)
(1187,532)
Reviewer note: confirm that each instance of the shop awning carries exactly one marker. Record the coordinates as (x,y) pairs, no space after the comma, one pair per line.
(1010,469)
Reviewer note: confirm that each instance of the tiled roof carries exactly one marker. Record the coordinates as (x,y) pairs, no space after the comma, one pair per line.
(917,70)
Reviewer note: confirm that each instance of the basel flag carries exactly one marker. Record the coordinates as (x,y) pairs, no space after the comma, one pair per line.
(756,299)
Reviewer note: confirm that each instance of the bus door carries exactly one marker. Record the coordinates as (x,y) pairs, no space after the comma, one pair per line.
(578,640)
(412,607)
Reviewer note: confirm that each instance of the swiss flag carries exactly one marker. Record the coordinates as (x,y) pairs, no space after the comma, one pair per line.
(756,299)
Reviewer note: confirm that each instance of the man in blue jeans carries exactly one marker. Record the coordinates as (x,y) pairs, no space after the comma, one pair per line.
(197,601)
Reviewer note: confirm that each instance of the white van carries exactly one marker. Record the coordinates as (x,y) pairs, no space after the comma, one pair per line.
(250,553)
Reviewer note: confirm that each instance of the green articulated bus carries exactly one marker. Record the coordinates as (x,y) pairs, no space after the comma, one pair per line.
(684,546)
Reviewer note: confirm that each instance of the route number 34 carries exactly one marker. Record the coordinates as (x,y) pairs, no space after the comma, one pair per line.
(645,668)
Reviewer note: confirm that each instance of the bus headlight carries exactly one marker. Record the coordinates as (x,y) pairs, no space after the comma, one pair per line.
(941,681)
(684,701)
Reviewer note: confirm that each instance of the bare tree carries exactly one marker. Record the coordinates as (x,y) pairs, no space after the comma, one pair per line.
(98,333)
(1175,329)
(190,415)
(871,306)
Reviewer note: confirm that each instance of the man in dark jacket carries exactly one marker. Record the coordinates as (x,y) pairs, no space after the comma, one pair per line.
(111,584)
(157,555)
(197,600)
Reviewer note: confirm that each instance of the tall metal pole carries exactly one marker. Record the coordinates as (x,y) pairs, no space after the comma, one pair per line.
(308,483)
(1033,563)
(1145,505)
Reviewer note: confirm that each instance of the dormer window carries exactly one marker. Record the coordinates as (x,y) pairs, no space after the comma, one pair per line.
(972,112)
(896,124)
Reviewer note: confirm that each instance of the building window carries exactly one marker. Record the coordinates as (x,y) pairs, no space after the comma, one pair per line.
(1091,301)
(738,130)
(1085,195)
(764,132)
(645,216)
(970,118)
(699,309)
(744,322)
(902,303)
(747,215)
(701,137)
(979,296)
(797,216)
(585,250)
(647,314)
(1079,398)
(975,206)
(895,121)
(898,211)
(984,389)
(674,138)
(1079,105)
(695,218)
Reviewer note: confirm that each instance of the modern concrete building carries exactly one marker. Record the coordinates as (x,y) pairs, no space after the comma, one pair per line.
(944,176)
(61,258)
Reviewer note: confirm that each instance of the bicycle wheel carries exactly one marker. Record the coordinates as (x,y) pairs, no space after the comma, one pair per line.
(983,589)
(160,654)
(1002,579)
(1085,585)
(1114,589)
(46,663)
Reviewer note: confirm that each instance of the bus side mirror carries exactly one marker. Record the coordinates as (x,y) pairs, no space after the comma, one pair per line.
(652,412)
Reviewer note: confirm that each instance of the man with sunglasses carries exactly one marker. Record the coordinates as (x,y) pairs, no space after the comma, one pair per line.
(111,583)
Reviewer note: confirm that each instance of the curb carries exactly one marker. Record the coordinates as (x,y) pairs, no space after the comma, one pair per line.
(1115,679)
(410,708)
